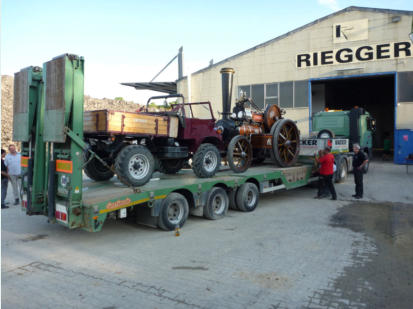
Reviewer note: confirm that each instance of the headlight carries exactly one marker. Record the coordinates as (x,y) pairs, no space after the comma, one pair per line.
(240,114)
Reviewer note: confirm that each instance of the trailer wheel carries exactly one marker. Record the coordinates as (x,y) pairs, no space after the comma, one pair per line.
(247,197)
(174,212)
(206,161)
(217,204)
(96,170)
(342,170)
(232,197)
(170,166)
(134,165)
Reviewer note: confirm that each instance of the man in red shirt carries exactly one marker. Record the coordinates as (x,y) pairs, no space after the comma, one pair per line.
(326,171)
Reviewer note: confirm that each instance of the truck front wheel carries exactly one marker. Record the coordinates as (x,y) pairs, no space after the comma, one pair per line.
(206,161)
(174,212)
(134,165)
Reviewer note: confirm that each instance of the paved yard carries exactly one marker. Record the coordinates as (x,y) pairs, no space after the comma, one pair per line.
(292,252)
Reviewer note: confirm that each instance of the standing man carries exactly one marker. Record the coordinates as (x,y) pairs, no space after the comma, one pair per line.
(359,161)
(326,161)
(12,162)
(4,180)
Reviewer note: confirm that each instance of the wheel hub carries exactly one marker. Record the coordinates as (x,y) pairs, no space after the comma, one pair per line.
(138,166)
(210,161)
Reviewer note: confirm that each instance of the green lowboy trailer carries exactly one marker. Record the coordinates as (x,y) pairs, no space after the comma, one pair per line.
(48,120)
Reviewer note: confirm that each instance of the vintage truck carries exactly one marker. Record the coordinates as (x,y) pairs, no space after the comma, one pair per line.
(137,143)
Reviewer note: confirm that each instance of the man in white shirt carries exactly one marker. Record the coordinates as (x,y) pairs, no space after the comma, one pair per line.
(12,161)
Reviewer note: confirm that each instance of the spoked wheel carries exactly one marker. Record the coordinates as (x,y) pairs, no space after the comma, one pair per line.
(286,142)
(239,154)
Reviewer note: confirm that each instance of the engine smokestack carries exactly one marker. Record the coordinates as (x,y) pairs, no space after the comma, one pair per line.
(227,81)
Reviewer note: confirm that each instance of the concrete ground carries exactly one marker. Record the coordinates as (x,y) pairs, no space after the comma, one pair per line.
(292,252)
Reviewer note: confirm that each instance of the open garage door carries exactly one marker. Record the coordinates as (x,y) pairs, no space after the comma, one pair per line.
(374,93)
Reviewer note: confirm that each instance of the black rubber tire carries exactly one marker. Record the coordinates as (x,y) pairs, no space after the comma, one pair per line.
(95,170)
(342,170)
(230,154)
(247,197)
(199,158)
(122,165)
(172,166)
(232,194)
(174,212)
(326,132)
(217,204)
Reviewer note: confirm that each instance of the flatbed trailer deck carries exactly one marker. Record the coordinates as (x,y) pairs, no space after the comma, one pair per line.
(111,198)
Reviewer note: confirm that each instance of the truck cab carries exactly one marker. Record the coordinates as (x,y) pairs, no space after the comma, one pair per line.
(357,125)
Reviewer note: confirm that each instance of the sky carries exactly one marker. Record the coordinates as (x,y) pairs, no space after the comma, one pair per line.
(132,40)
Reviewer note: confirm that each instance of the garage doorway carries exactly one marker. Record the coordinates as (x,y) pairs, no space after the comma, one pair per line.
(375,93)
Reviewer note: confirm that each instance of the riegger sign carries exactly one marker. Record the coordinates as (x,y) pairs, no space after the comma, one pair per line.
(355,54)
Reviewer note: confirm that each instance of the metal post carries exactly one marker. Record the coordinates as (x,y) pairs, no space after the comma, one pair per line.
(180,63)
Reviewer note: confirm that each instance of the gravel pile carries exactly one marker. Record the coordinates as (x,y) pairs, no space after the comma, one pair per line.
(7,109)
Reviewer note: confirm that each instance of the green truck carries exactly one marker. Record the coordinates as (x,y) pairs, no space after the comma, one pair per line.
(48,121)
(356,125)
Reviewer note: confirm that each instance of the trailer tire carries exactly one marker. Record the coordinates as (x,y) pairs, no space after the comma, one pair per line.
(247,197)
(342,170)
(232,197)
(172,166)
(134,165)
(174,212)
(95,170)
(206,160)
(217,204)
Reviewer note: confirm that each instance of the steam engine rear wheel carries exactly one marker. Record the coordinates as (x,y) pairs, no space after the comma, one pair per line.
(286,142)
(239,154)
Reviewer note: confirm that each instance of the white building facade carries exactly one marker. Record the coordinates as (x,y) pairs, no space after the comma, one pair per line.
(356,56)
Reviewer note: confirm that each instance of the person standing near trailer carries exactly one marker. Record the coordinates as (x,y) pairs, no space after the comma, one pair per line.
(359,161)
(326,161)
(4,180)
(12,162)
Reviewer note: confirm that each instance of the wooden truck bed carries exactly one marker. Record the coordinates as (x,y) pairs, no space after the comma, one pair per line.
(116,122)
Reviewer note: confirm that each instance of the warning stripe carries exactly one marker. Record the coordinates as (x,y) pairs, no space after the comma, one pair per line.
(132,203)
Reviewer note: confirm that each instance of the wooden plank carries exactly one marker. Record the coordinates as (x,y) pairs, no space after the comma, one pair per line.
(128,123)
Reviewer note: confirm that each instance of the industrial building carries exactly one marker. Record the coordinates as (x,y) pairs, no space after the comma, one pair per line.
(356,56)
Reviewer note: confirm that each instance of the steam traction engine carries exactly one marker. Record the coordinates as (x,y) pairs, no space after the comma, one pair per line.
(251,133)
